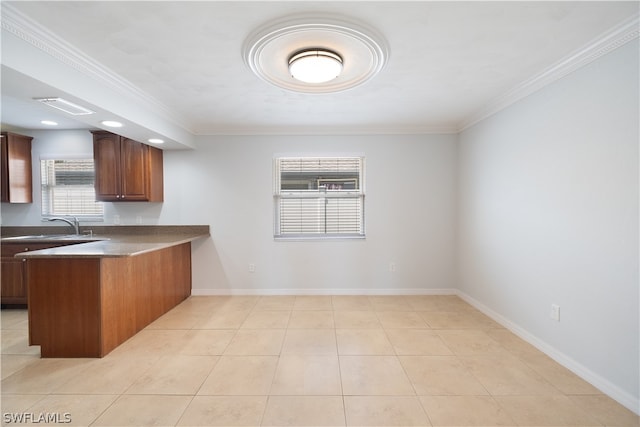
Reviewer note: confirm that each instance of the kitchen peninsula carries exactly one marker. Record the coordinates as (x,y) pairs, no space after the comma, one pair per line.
(86,299)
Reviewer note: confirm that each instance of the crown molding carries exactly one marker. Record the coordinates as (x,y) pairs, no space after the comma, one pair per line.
(36,35)
(329,131)
(606,43)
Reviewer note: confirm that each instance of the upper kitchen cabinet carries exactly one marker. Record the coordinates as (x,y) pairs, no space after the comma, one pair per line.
(126,170)
(16,168)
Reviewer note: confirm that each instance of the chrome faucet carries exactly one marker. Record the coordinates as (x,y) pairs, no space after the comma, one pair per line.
(75,223)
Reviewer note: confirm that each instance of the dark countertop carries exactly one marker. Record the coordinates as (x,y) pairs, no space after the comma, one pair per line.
(116,241)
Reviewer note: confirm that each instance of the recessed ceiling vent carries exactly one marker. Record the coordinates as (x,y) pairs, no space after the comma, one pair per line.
(66,106)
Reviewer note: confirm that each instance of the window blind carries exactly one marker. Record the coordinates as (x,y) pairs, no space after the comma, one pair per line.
(319,197)
(68,188)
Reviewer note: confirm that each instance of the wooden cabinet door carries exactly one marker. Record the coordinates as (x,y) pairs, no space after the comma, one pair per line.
(14,289)
(135,170)
(106,156)
(16,168)
(4,182)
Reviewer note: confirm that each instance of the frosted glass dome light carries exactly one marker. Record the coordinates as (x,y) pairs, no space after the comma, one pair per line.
(315,66)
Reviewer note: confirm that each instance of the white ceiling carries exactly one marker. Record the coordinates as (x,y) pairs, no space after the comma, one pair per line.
(449,61)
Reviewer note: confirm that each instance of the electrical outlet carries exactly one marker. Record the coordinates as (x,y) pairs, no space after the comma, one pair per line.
(392,267)
(252,268)
(555,312)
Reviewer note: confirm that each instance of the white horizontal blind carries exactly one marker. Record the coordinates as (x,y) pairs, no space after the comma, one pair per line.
(319,197)
(321,165)
(68,188)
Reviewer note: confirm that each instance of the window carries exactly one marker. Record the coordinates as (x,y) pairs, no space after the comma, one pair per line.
(319,196)
(68,189)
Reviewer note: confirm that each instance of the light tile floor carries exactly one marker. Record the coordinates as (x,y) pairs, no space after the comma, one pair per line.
(304,361)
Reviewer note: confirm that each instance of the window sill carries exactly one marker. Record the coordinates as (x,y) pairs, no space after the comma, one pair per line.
(325,237)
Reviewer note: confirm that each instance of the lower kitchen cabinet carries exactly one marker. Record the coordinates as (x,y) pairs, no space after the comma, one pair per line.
(13,271)
(87,306)
(14,289)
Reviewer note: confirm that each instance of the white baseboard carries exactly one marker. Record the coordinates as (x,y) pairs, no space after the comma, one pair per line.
(608,388)
(323,291)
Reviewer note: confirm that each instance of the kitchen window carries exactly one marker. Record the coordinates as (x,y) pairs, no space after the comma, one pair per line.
(68,189)
(319,197)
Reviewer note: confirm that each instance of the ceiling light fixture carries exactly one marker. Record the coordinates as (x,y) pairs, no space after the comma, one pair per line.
(49,122)
(111,124)
(156,140)
(315,65)
(356,52)
(66,106)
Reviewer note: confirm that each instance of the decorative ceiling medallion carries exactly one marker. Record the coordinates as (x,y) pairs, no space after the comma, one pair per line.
(363,52)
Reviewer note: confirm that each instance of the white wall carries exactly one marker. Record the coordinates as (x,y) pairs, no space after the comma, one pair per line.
(227,183)
(549,214)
